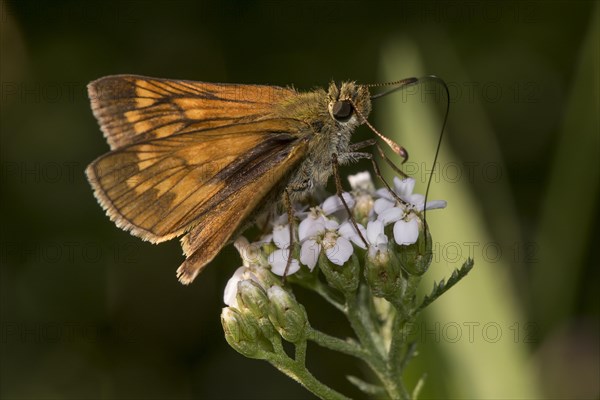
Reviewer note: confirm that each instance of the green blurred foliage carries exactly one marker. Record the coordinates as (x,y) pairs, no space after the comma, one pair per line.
(87,311)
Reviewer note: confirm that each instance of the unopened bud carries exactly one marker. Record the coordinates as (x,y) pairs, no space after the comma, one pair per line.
(416,258)
(384,275)
(265,277)
(341,277)
(287,315)
(253,300)
(252,296)
(241,333)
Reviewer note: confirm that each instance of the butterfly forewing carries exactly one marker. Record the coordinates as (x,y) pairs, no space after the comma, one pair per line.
(133,108)
(190,158)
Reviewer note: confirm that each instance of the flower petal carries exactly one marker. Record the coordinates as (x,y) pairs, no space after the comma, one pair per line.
(374,230)
(331,225)
(348,231)
(230,292)
(404,187)
(334,203)
(391,215)
(311,227)
(281,236)
(406,233)
(416,199)
(433,204)
(384,194)
(361,181)
(309,253)
(341,252)
(278,261)
(382,204)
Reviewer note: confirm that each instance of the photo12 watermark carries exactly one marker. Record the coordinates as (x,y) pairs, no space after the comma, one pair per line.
(472,332)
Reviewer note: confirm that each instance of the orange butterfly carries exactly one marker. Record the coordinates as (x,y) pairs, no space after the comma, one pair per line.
(203,160)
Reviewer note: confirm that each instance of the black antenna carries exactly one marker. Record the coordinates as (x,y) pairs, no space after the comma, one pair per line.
(436,79)
(433,78)
(403,84)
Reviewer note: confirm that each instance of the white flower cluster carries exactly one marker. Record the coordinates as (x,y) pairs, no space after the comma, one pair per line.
(327,228)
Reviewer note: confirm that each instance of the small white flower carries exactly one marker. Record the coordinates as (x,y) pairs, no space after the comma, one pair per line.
(406,232)
(317,232)
(281,238)
(363,189)
(309,253)
(376,237)
(312,224)
(252,257)
(362,182)
(406,224)
(404,189)
(331,207)
(322,234)
(278,261)
(281,232)
(338,249)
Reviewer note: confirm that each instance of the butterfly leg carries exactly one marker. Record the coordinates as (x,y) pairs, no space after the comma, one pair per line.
(290,213)
(299,187)
(373,142)
(363,144)
(339,190)
(362,155)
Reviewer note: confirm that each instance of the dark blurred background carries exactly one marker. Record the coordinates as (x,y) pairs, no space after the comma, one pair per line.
(88,311)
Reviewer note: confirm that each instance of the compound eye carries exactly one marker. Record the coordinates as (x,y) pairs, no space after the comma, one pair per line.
(342,110)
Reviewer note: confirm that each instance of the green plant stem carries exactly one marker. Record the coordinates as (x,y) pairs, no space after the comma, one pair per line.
(378,357)
(336,344)
(301,353)
(298,372)
(395,353)
(355,312)
(395,362)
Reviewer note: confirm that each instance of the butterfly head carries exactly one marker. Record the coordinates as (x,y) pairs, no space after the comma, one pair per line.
(349,103)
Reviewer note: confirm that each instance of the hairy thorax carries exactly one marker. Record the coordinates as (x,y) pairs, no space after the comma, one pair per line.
(327,135)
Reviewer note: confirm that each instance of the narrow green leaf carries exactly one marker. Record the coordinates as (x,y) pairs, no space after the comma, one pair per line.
(365,387)
(442,287)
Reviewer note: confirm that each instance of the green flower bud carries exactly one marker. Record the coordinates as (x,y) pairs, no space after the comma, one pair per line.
(342,277)
(416,258)
(241,333)
(265,277)
(384,275)
(253,300)
(287,315)
(252,296)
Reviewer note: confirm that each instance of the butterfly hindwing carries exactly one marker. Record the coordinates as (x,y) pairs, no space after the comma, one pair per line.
(235,203)
(162,188)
